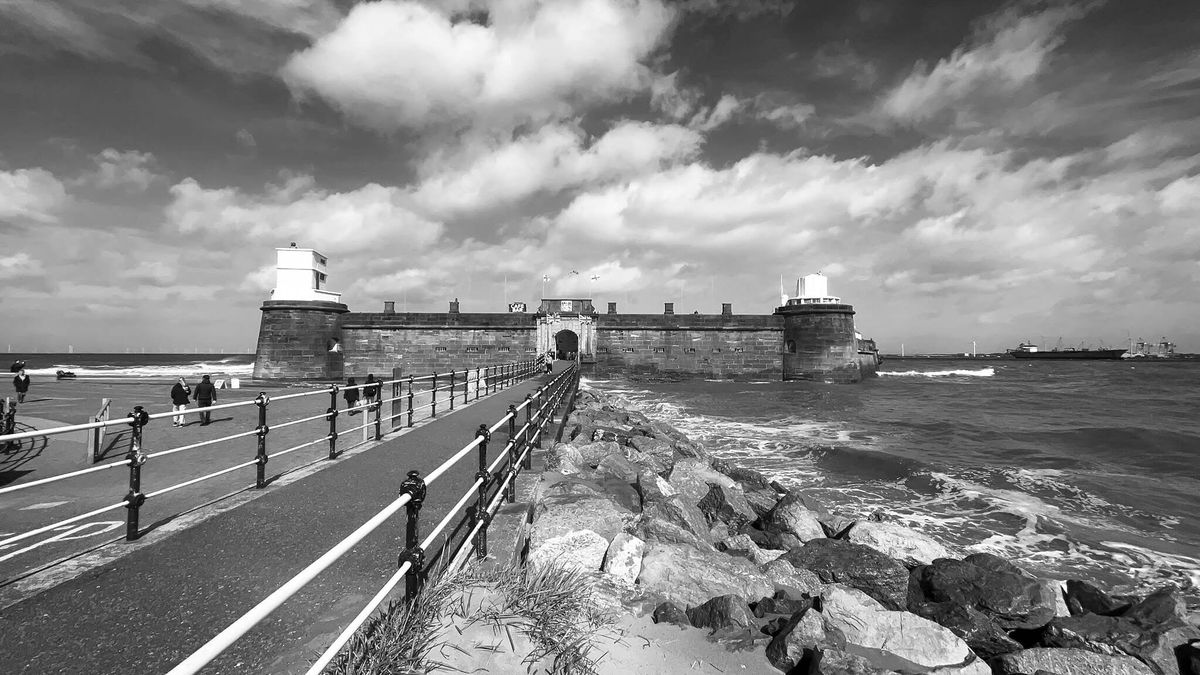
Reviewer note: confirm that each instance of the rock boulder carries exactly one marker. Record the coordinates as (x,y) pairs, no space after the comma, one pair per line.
(861,567)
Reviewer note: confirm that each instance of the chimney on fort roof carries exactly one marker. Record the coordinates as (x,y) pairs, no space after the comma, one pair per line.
(454,306)
(612,308)
(668,308)
(389,307)
(726,309)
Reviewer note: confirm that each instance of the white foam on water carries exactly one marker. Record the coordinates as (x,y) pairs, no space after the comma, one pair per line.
(151,371)
(982,372)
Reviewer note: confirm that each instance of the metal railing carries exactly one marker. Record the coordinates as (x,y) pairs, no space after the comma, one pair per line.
(494,483)
(486,380)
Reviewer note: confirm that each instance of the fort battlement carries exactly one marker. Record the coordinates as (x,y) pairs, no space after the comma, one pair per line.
(808,337)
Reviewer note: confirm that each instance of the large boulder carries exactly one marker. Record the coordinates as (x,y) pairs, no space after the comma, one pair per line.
(593,452)
(891,639)
(624,557)
(896,541)
(678,512)
(617,466)
(1067,662)
(749,479)
(973,626)
(744,547)
(581,550)
(728,505)
(1010,596)
(563,513)
(657,448)
(862,567)
(565,459)
(790,515)
(797,583)
(797,638)
(1084,598)
(692,478)
(723,611)
(653,487)
(690,576)
(1155,645)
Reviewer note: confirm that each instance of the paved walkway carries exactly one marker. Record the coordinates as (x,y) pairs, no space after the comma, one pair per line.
(147,611)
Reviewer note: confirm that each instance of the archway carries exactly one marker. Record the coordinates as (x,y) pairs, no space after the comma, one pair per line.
(566,344)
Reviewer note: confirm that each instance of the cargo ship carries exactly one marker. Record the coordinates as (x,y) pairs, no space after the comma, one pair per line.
(1027,350)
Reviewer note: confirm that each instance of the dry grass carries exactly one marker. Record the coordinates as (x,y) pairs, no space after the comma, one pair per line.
(551,612)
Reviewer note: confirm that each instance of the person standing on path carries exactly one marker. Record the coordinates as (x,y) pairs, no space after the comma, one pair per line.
(180,394)
(21,384)
(351,395)
(205,394)
(371,390)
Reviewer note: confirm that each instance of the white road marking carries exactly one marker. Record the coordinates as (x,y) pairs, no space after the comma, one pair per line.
(43,505)
(73,533)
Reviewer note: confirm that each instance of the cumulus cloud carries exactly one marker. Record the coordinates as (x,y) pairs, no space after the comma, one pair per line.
(1008,51)
(130,170)
(31,195)
(400,64)
(357,221)
(554,158)
(153,272)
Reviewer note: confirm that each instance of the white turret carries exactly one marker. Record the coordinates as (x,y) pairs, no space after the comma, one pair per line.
(300,275)
(813,289)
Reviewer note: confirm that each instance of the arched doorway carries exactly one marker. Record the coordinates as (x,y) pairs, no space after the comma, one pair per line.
(566,344)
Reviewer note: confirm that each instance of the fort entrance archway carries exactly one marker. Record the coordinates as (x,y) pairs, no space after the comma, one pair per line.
(566,344)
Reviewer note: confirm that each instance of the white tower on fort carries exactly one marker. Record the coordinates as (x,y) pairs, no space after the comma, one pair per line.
(300,275)
(813,289)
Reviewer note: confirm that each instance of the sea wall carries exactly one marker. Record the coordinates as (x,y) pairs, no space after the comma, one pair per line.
(663,528)
(715,346)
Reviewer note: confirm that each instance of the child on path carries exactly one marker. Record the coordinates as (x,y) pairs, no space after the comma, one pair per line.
(180,394)
(21,384)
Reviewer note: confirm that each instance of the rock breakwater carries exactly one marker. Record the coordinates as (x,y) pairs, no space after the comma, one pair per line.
(669,531)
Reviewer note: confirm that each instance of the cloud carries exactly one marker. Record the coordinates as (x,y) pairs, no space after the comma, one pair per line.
(130,170)
(20,265)
(552,159)
(1007,52)
(31,195)
(396,64)
(356,221)
(153,272)
(840,60)
(239,37)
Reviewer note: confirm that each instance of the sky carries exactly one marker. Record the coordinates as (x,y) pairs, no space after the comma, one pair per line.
(960,170)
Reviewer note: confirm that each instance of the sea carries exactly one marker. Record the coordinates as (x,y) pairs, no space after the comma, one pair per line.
(1073,469)
(137,366)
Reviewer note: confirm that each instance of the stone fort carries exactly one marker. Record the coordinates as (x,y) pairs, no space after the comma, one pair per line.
(307,333)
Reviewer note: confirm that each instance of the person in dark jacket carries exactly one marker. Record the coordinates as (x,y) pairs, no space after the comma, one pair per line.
(180,395)
(351,395)
(371,390)
(21,384)
(205,395)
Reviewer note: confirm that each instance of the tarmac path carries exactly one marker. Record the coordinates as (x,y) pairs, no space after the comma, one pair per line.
(146,611)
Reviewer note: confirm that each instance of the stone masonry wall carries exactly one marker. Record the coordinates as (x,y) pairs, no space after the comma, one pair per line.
(689,345)
(421,344)
(294,339)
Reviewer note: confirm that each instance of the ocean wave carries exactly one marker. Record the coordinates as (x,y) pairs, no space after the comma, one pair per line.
(220,368)
(982,372)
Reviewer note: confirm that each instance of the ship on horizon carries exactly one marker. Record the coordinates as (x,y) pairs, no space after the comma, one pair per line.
(1028,350)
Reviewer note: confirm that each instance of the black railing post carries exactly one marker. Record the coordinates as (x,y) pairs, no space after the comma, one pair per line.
(414,486)
(482,517)
(331,414)
(512,421)
(410,400)
(260,478)
(452,374)
(466,386)
(136,458)
(433,401)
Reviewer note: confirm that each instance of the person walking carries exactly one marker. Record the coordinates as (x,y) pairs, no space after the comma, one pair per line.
(180,395)
(351,395)
(371,390)
(21,384)
(205,395)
